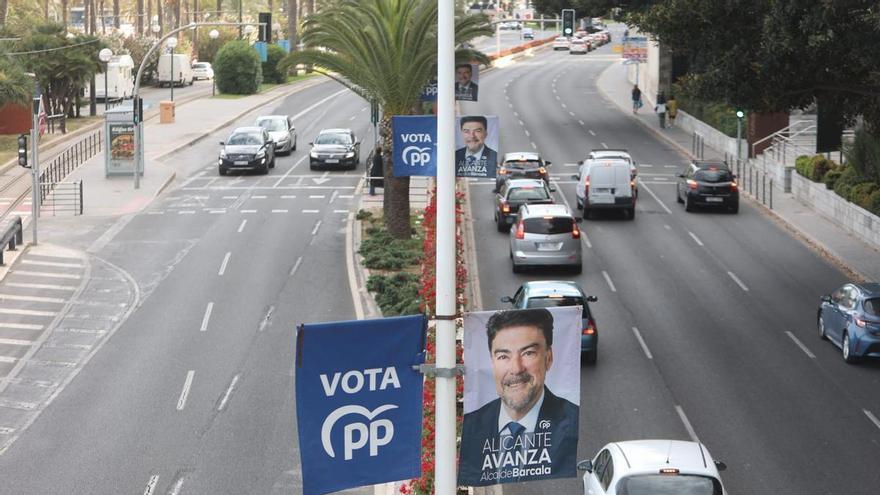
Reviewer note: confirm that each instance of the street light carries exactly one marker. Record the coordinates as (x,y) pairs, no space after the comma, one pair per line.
(172,43)
(739,118)
(214,34)
(105,55)
(249,30)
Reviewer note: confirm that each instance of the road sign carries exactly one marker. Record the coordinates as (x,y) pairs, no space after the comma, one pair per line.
(635,48)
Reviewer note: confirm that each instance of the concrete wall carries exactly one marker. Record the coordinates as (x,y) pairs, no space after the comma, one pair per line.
(711,136)
(856,220)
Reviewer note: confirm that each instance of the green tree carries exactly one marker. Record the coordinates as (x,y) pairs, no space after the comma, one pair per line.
(271,71)
(237,69)
(15,85)
(384,50)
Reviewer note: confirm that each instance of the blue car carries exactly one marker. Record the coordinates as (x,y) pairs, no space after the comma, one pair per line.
(850,318)
(553,293)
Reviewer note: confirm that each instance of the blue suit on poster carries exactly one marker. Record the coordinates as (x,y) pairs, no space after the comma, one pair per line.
(549,452)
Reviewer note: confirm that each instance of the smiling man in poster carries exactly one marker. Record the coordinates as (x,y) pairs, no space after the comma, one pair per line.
(521,412)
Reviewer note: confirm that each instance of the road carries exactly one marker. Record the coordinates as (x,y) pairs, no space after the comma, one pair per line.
(509,38)
(706,320)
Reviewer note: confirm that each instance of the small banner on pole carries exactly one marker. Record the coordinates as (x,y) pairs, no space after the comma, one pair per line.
(415,145)
(476,146)
(359,402)
(521,395)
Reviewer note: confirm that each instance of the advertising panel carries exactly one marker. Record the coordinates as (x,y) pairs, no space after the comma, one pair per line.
(476,145)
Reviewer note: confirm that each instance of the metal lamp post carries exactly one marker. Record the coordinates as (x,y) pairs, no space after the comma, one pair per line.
(172,43)
(739,118)
(214,34)
(105,55)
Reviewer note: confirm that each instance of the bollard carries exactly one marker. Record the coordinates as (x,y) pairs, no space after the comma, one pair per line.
(763,189)
(771,193)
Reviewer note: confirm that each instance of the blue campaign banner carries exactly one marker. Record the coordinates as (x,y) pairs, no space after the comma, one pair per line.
(262,50)
(359,402)
(415,145)
(429,92)
(285,44)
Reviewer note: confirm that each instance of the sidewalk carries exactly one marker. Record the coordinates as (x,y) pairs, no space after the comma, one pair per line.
(851,253)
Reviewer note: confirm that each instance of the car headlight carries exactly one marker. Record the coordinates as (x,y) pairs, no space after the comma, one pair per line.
(222,153)
(313,154)
(350,154)
(261,153)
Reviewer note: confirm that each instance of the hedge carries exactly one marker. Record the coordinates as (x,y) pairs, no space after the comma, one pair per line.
(271,74)
(237,69)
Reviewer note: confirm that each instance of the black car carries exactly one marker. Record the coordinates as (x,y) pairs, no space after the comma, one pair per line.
(515,193)
(708,183)
(554,293)
(335,148)
(247,148)
(522,165)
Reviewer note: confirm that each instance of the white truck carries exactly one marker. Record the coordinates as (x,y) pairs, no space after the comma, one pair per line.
(183,72)
(120,79)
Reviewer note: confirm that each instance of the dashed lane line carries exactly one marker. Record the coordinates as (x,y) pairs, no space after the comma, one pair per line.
(871,416)
(642,343)
(687,424)
(608,280)
(801,345)
(656,198)
(695,238)
(241,227)
(26,312)
(11,297)
(738,281)
(207,317)
(223,265)
(187,384)
(21,326)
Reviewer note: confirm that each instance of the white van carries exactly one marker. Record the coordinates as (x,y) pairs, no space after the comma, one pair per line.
(120,79)
(606,185)
(183,73)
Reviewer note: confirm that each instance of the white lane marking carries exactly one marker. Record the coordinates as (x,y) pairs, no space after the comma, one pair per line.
(41,286)
(317,226)
(52,263)
(801,345)
(364,109)
(26,312)
(17,342)
(656,198)
(310,211)
(11,297)
(228,392)
(645,165)
(558,98)
(288,196)
(510,105)
(534,145)
(738,281)
(223,265)
(248,211)
(521,122)
(340,211)
(155,213)
(279,211)
(259,197)
(564,105)
(516,114)
(695,238)
(181,402)
(21,326)
(352,117)
(333,197)
(604,145)
(46,274)
(175,489)
(151,485)
(871,416)
(671,166)
(527,133)
(186,212)
(215,211)
(687,424)
(592,133)
(608,279)
(8,359)
(286,174)
(571,113)
(642,343)
(581,122)
(230,197)
(317,196)
(241,227)
(207,317)
(295,266)
(346,196)
(667,227)
(266,319)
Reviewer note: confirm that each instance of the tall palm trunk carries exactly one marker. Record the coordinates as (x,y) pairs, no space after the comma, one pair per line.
(291,23)
(395,205)
(195,32)
(139,21)
(161,18)
(64,13)
(176,14)
(4,8)
(116,14)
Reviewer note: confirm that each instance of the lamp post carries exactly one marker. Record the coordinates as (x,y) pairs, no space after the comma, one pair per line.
(155,29)
(105,55)
(172,43)
(249,30)
(214,34)
(739,118)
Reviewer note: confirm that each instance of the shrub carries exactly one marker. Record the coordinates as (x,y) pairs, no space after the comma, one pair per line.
(860,194)
(383,252)
(863,154)
(396,294)
(819,167)
(831,178)
(802,165)
(874,203)
(271,72)
(844,184)
(237,69)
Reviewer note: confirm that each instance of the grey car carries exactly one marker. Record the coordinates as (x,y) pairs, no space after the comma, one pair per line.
(545,235)
(515,193)
(281,130)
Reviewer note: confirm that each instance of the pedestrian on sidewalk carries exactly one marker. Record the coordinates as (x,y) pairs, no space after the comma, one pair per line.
(636,98)
(660,109)
(376,171)
(671,110)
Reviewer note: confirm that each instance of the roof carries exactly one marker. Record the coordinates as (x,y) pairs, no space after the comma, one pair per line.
(250,128)
(511,183)
(521,155)
(547,287)
(541,210)
(653,455)
(334,131)
(710,163)
(872,288)
(262,117)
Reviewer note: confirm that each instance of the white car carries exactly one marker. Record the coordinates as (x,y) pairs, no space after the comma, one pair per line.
(613,154)
(560,43)
(650,467)
(578,45)
(202,70)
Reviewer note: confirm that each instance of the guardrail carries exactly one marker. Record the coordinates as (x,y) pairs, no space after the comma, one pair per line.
(66,197)
(12,236)
(57,120)
(71,158)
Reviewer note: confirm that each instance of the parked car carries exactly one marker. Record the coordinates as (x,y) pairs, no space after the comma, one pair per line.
(335,148)
(515,193)
(553,293)
(850,318)
(560,43)
(525,164)
(707,183)
(578,45)
(653,467)
(545,235)
(202,70)
(282,131)
(247,148)
(528,33)
(606,185)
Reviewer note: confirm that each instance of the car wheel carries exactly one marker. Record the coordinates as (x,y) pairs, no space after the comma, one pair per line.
(688,205)
(631,213)
(293,148)
(678,197)
(264,169)
(579,204)
(734,209)
(588,213)
(821,325)
(591,357)
(502,226)
(578,268)
(222,170)
(847,353)
(517,268)
(311,166)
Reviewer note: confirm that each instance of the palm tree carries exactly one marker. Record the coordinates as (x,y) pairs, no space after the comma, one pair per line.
(384,50)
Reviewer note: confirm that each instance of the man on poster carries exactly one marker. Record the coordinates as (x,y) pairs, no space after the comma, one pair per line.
(527,433)
(466,89)
(475,159)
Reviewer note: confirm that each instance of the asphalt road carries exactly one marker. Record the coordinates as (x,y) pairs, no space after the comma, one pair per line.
(194,391)
(722,303)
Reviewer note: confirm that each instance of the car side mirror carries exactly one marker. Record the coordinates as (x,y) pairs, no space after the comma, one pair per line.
(552,188)
(222,143)
(586,466)
(578,219)
(547,163)
(575,176)
(826,298)
(311,143)
(592,298)
(720,465)
(507,299)
(680,175)
(733,175)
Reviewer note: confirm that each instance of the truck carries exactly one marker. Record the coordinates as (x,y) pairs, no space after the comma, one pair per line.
(183,73)
(120,79)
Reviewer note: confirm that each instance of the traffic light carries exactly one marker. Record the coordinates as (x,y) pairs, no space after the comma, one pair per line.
(138,110)
(567,22)
(265,20)
(22,150)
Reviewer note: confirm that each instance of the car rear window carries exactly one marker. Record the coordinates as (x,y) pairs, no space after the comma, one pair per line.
(664,484)
(548,225)
(527,193)
(524,164)
(553,302)
(713,175)
(872,307)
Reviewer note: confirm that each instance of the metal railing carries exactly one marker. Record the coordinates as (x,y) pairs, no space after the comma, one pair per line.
(66,197)
(753,181)
(12,236)
(56,170)
(58,121)
(698,145)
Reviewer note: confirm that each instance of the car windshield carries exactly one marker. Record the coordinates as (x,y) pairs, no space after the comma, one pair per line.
(200,66)
(552,302)
(245,139)
(524,164)
(273,124)
(333,139)
(664,484)
(527,193)
(713,175)
(548,225)
(872,307)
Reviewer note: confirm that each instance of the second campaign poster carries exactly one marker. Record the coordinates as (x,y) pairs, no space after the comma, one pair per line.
(476,145)
(521,395)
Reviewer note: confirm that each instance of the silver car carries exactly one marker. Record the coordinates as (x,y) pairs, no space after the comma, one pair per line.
(281,130)
(545,235)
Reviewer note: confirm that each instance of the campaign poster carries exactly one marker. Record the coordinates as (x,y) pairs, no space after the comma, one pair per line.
(359,402)
(415,145)
(467,78)
(476,145)
(521,395)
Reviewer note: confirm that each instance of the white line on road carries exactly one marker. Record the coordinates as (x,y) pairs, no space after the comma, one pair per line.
(186,212)
(564,105)
(608,279)
(41,286)
(333,197)
(604,145)
(10,297)
(223,265)
(352,117)
(521,122)
(45,274)
(241,227)
(592,133)
(510,105)
(230,197)
(667,227)
(17,342)
(51,263)
(161,212)
(656,198)
(288,196)
(346,196)
(642,343)
(738,281)
(311,211)
(248,211)
(801,345)
(317,196)
(151,485)
(295,266)
(266,319)
(8,359)
(26,312)
(581,122)
(21,326)
(340,211)
(228,392)
(516,114)
(571,113)
(317,226)
(695,238)
(281,179)
(259,197)
(534,145)
(207,317)
(687,424)
(181,402)
(527,133)
(871,416)
(279,211)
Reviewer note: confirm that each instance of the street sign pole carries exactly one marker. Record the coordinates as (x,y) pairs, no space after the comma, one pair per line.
(35,165)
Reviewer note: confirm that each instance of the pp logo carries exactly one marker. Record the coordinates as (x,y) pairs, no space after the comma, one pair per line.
(416,156)
(431,89)
(544,424)
(357,435)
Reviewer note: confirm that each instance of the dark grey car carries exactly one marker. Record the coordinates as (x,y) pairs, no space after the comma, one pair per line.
(247,148)
(335,148)
(515,193)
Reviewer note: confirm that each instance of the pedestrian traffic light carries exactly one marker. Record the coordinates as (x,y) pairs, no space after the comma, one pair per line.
(22,150)
(567,22)
(265,20)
